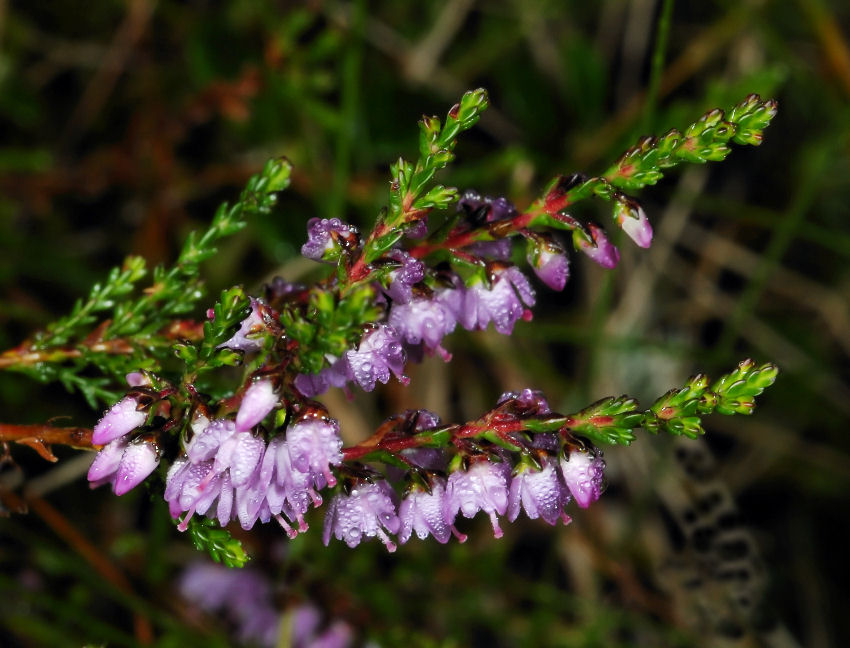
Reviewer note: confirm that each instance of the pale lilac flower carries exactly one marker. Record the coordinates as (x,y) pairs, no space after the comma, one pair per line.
(379,354)
(105,463)
(208,438)
(507,299)
(314,445)
(249,337)
(632,219)
(138,461)
(190,488)
(599,248)
(484,487)
(423,320)
(550,263)
(287,491)
(259,399)
(541,493)
(368,511)
(583,474)
(422,512)
(327,238)
(122,418)
(401,280)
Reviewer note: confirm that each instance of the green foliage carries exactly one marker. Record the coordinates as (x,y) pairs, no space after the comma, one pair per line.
(703,141)
(329,325)
(223,548)
(436,145)
(678,412)
(131,338)
(607,421)
(232,307)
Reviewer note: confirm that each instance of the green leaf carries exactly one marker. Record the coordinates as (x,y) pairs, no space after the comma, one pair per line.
(208,536)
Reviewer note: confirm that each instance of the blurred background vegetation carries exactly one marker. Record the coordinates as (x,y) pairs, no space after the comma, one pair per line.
(124,124)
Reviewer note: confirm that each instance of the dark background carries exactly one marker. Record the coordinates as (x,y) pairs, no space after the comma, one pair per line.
(124,124)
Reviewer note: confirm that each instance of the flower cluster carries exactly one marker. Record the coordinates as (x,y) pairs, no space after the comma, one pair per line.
(230,472)
(128,455)
(394,294)
(542,482)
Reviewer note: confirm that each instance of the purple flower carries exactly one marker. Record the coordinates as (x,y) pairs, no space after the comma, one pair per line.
(194,488)
(422,512)
(598,247)
(314,445)
(122,418)
(530,401)
(259,399)
(105,463)
(328,238)
(540,492)
(632,219)
(139,459)
(484,487)
(369,510)
(401,280)
(379,353)
(249,337)
(423,320)
(337,375)
(287,491)
(507,300)
(550,263)
(583,473)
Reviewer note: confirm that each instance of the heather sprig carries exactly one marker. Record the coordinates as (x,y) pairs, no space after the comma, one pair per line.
(117,328)
(259,448)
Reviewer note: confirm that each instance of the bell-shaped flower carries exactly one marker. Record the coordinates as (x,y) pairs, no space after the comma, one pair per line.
(550,263)
(541,493)
(139,459)
(597,246)
(423,320)
(369,510)
(508,299)
(421,512)
(632,219)
(328,239)
(401,279)
(122,418)
(483,487)
(315,445)
(379,354)
(105,463)
(583,474)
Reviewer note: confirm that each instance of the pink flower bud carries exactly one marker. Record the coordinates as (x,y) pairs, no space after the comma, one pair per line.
(259,399)
(137,462)
(121,419)
(598,248)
